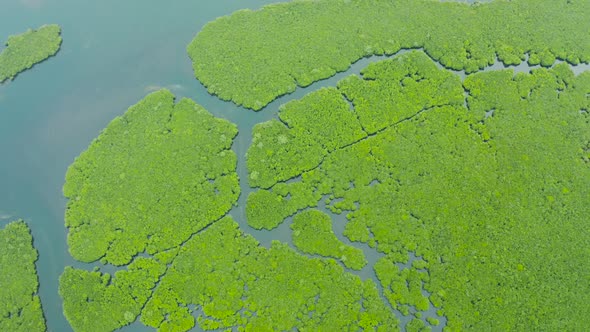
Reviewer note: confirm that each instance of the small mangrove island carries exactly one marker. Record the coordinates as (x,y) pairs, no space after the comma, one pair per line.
(25,50)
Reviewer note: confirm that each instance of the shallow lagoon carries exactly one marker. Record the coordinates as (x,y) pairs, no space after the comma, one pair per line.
(112,55)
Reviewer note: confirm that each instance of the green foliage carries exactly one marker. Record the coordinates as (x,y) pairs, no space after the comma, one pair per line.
(238,283)
(94,301)
(419,85)
(266,209)
(308,129)
(153,177)
(280,154)
(164,171)
(432,321)
(312,234)
(267,53)
(493,197)
(325,116)
(485,180)
(27,49)
(402,287)
(20,308)
(417,325)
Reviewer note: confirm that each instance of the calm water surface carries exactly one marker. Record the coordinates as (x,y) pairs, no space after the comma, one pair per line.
(113,54)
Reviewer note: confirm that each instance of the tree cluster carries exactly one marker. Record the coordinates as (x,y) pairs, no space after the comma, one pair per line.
(20,308)
(492,193)
(27,49)
(313,234)
(253,57)
(153,177)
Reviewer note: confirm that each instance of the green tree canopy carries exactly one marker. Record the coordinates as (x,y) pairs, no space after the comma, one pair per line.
(491,190)
(473,192)
(27,49)
(252,57)
(154,176)
(20,308)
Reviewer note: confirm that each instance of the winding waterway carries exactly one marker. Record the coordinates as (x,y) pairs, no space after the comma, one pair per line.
(114,52)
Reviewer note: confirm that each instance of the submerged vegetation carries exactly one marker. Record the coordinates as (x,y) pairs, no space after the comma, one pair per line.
(267,53)
(20,308)
(25,50)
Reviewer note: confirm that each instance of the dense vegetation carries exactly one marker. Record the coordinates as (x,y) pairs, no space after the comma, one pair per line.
(163,172)
(156,175)
(473,192)
(26,49)
(492,196)
(98,302)
(20,308)
(267,53)
(235,283)
(238,283)
(489,192)
(313,234)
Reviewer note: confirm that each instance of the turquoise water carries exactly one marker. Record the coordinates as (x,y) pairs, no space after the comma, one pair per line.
(113,54)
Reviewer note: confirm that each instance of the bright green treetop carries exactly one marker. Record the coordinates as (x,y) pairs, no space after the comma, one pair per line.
(252,57)
(27,49)
(154,176)
(20,308)
(482,182)
(158,179)
(313,234)
(491,190)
